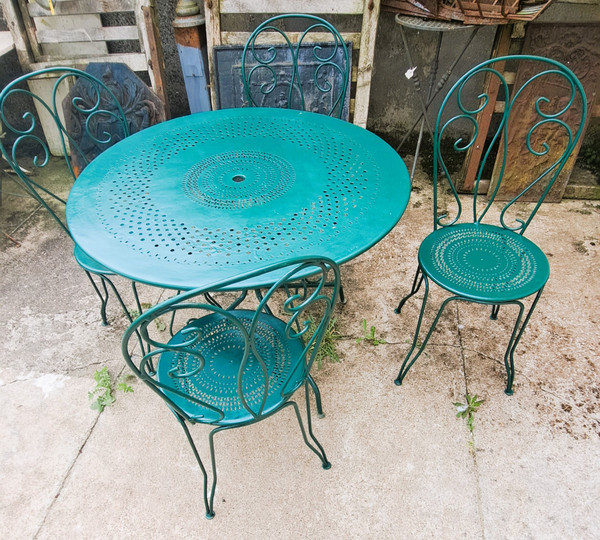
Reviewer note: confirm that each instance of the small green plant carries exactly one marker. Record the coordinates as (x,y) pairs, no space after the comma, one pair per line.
(103,395)
(468,409)
(369,335)
(134,314)
(123,383)
(326,350)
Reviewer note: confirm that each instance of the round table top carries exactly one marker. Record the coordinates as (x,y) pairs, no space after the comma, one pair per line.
(201,198)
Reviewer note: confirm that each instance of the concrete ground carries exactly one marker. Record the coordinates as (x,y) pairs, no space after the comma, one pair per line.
(404,466)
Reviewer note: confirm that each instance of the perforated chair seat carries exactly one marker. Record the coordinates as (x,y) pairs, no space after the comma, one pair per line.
(484,262)
(221,343)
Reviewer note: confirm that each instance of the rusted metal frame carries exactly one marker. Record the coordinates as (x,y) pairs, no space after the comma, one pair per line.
(433,93)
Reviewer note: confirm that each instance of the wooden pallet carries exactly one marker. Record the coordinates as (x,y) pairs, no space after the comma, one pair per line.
(74,34)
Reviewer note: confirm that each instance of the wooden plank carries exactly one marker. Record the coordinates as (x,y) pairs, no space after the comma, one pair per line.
(466,182)
(155,61)
(213,38)
(109,33)
(135,61)
(365,62)
(15,26)
(344,7)
(81,7)
(237,38)
(29,29)
(574,191)
(66,23)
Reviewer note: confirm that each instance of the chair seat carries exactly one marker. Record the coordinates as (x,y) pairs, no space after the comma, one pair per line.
(87,263)
(483,262)
(221,343)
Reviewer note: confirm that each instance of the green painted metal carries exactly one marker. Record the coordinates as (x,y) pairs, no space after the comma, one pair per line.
(197,199)
(484,262)
(493,263)
(27,152)
(229,368)
(324,67)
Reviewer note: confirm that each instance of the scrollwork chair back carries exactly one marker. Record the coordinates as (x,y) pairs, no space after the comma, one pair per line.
(307,69)
(542,119)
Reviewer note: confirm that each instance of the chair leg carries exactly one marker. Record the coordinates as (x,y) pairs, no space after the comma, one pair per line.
(408,362)
(317,393)
(208,504)
(318,449)
(495,310)
(415,288)
(102,295)
(514,341)
(342,296)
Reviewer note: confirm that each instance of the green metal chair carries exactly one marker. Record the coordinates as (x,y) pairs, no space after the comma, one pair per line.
(493,263)
(83,125)
(233,367)
(310,73)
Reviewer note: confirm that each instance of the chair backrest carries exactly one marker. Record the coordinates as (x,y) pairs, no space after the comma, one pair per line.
(190,332)
(533,137)
(297,73)
(69,113)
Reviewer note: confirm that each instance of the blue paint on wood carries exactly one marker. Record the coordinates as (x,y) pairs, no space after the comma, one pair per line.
(195,79)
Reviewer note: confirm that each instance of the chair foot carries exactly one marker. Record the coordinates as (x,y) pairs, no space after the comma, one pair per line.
(210,515)
(398,382)
(321,415)
(317,448)
(508,392)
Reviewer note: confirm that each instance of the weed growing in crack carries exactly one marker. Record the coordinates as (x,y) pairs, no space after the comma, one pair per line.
(468,409)
(369,335)
(103,395)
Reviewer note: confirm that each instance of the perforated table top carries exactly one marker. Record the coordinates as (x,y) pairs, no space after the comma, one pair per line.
(205,197)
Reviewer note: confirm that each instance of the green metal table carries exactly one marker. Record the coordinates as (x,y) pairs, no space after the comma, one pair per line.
(204,197)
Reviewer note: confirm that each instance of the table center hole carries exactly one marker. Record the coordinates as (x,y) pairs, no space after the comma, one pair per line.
(239,178)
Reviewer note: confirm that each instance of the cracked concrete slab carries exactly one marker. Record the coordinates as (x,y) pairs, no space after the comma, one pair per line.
(403,464)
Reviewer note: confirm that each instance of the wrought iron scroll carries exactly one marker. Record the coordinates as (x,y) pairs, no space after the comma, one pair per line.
(551,136)
(329,61)
(296,305)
